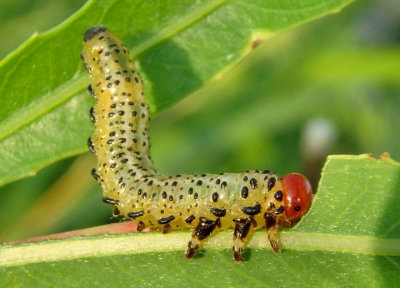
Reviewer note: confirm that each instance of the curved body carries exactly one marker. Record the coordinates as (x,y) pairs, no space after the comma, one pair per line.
(207,202)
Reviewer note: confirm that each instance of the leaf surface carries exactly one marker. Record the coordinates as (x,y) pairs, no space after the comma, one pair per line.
(179,47)
(350,238)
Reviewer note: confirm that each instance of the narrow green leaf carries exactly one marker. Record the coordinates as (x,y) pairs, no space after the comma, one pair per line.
(179,45)
(350,238)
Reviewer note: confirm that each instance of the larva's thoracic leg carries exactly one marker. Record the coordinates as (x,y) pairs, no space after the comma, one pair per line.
(200,233)
(242,229)
(271,227)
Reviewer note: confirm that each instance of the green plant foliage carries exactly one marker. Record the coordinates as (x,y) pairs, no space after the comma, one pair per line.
(355,245)
(179,45)
(342,69)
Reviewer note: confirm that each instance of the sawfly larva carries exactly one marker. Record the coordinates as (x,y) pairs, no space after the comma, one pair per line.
(205,203)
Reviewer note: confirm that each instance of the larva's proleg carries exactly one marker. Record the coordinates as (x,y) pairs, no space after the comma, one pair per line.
(205,203)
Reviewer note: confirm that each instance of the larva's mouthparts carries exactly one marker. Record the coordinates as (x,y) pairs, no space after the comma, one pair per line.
(297,196)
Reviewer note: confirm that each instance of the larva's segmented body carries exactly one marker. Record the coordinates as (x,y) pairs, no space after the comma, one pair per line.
(207,202)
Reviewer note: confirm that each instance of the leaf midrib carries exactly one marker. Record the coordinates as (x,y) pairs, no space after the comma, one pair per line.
(56,250)
(62,93)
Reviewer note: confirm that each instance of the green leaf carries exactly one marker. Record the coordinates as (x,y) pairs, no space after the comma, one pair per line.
(179,45)
(350,238)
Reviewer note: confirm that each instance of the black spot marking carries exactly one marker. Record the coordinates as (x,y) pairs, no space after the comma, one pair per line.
(134,215)
(271,183)
(218,212)
(166,220)
(91,113)
(110,201)
(190,219)
(280,210)
(224,184)
(91,145)
(245,192)
(297,208)
(95,175)
(278,195)
(253,183)
(215,197)
(252,210)
(90,90)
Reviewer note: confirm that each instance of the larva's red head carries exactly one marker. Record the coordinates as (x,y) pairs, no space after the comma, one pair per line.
(297,196)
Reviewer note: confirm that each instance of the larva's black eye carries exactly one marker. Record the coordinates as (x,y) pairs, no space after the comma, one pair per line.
(297,195)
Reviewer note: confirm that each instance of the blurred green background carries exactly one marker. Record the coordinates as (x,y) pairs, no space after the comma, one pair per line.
(328,87)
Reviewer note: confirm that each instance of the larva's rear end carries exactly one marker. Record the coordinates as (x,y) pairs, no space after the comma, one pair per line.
(104,55)
(120,114)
